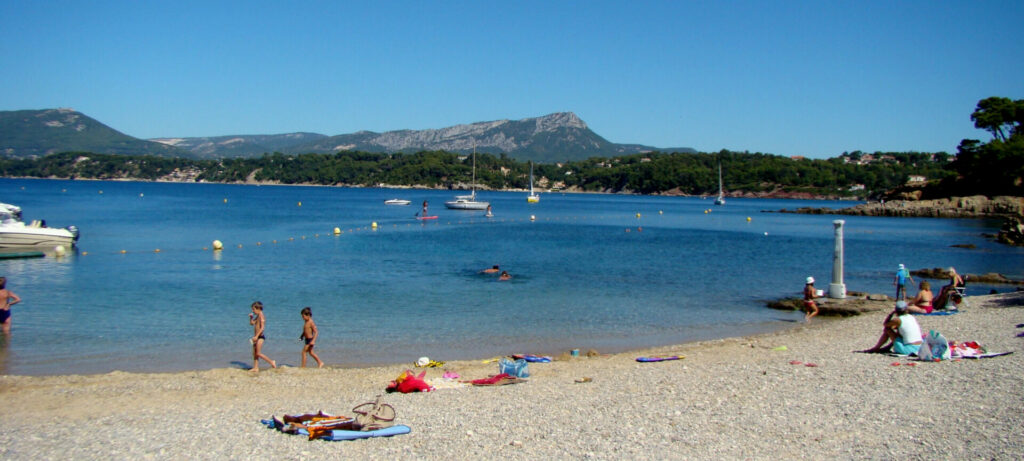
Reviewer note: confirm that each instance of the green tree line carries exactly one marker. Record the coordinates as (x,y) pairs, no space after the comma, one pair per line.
(648,173)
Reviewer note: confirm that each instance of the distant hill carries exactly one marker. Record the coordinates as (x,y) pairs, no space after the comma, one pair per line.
(35,133)
(552,138)
(240,145)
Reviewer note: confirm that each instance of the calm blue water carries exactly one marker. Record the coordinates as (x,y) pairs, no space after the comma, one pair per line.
(410,289)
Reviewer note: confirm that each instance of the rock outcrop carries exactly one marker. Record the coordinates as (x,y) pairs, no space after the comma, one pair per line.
(977,206)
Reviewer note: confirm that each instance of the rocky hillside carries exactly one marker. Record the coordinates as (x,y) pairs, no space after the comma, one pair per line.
(35,133)
(240,145)
(552,138)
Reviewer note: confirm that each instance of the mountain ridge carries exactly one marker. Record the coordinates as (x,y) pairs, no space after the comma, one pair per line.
(556,137)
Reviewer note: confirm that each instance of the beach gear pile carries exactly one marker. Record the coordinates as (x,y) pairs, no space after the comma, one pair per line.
(372,419)
(408,382)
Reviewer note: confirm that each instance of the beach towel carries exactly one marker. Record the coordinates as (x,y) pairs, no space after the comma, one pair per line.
(533,358)
(972,350)
(500,379)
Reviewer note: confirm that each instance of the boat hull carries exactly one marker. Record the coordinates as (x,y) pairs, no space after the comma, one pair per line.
(43,238)
(532,199)
(466,205)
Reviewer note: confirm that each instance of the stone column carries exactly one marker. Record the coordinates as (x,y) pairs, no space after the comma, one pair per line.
(837,289)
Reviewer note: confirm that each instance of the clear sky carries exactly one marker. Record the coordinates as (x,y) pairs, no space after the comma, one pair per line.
(812,78)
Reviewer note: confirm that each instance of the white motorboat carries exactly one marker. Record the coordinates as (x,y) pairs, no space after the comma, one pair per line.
(397,201)
(532,198)
(468,202)
(15,234)
(721,193)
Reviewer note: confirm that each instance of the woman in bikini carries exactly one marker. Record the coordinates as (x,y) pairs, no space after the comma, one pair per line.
(922,303)
(259,323)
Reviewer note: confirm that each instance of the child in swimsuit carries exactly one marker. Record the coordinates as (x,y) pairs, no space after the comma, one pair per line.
(7,299)
(309,334)
(810,306)
(259,323)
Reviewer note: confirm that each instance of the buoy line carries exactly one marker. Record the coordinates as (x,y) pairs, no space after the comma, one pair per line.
(375,226)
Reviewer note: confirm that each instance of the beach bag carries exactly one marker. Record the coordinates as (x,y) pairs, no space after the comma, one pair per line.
(517,368)
(934,347)
(371,416)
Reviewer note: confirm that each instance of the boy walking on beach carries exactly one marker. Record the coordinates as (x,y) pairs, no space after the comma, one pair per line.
(259,324)
(902,274)
(7,299)
(309,334)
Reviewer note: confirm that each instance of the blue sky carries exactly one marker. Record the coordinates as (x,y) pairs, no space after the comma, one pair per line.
(784,77)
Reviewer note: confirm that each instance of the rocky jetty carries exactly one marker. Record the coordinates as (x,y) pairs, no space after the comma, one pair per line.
(943,274)
(977,206)
(855,303)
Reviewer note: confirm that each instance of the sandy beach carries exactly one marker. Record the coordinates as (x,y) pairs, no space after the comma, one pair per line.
(737,398)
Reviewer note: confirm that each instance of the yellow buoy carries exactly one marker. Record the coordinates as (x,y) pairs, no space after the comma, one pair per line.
(638,215)
(291,239)
(374,225)
(217,245)
(59,250)
(259,243)
(101,192)
(85,253)
(273,241)
(124,251)
(748,218)
(300,203)
(533,218)
(239,245)
(337,231)
(660,212)
(225,200)
(156,250)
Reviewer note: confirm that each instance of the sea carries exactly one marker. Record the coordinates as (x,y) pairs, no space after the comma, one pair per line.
(145,292)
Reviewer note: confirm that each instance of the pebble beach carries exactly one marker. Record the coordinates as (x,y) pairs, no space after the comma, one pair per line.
(799,393)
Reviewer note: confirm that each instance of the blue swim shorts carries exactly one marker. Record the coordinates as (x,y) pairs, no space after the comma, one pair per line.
(899,347)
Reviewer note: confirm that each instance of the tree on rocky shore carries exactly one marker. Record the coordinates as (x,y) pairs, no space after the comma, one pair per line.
(996,167)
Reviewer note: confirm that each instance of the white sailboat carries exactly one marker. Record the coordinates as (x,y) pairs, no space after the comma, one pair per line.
(721,193)
(532,198)
(468,202)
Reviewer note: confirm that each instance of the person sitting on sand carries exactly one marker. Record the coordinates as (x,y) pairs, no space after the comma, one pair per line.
(309,335)
(955,281)
(901,332)
(922,303)
(504,276)
(810,307)
(493,270)
(259,323)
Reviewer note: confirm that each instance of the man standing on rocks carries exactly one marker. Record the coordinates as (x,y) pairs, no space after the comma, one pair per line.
(902,274)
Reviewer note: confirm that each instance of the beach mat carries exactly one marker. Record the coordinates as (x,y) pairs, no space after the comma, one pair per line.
(338,435)
(986,356)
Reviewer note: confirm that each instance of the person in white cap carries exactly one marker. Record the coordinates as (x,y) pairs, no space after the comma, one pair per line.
(810,307)
(902,274)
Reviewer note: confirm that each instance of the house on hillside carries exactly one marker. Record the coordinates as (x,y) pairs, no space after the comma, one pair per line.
(916,180)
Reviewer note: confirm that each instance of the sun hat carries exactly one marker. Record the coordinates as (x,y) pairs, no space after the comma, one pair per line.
(810,279)
(901,305)
(423,361)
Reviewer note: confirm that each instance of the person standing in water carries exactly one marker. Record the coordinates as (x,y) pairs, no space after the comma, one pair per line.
(259,324)
(424,209)
(7,299)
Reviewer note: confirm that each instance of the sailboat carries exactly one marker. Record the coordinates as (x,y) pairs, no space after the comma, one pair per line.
(468,202)
(532,198)
(721,193)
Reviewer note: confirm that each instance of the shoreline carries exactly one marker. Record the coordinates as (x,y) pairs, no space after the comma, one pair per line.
(739,397)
